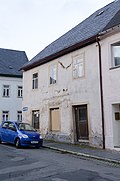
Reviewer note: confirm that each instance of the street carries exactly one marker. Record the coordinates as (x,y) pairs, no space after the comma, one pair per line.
(30,164)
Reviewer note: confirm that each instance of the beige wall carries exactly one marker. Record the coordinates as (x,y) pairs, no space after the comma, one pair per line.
(66,93)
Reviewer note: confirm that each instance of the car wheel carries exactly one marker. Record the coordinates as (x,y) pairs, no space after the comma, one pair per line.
(17,143)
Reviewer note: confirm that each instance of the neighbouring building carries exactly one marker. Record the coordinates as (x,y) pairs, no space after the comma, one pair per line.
(71,88)
(11,84)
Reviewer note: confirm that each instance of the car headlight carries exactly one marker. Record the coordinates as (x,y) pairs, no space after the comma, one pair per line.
(40,137)
(24,136)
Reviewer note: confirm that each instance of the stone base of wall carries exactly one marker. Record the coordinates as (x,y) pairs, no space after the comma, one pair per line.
(58,137)
(96,141)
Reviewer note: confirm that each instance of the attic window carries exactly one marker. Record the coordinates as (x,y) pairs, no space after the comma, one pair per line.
(101,12)
(10,67)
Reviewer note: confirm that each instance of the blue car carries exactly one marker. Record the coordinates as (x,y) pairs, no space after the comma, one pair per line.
(20,134)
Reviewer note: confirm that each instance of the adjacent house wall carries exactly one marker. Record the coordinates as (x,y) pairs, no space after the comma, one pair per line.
(111,88)
(12,103)
(65,94)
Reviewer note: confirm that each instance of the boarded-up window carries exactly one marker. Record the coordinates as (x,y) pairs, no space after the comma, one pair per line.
(55,119)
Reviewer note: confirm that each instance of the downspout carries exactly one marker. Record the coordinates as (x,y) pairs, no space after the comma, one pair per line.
(101,91)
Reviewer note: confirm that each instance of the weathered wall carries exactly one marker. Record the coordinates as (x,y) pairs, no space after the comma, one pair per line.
(65,94)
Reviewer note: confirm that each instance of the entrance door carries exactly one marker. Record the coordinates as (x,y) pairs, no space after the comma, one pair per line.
(81,121)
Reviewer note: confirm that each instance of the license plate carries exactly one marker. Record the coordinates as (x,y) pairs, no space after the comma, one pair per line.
(34,142)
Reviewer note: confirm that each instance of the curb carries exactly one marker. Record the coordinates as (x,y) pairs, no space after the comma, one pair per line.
(85,155)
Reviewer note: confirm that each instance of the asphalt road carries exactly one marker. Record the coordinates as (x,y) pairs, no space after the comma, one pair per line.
(42,164)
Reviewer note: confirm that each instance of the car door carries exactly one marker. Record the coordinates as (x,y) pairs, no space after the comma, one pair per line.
(4,131)
(12,132)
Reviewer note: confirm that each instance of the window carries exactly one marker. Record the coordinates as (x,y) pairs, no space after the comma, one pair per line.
(12,127)
(78,66)
(116,54)
(5,115)
(35,81)
(19,116)
(55,119)
(20,91)
(35,119)
(5,125)
(53,74)
(6,90)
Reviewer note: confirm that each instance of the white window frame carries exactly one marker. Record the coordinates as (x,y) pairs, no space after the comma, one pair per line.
(20,91)
(19,116)
(6,90)
(53,74)
(35,81)
(78,66)
(5,115)
(115,48)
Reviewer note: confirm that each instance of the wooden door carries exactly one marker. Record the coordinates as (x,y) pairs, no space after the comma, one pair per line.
(81,121)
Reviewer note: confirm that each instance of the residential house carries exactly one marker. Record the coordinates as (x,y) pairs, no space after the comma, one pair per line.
(71,88)
(11,84)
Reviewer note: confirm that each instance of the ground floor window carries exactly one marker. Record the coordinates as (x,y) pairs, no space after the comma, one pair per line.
(5,115)
(55,119)
(19,116)
(35,119)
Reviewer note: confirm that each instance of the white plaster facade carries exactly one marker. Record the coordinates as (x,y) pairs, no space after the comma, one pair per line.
(13,103)
(65,94)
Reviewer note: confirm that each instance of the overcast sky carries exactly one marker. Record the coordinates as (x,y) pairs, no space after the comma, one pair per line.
(31,25)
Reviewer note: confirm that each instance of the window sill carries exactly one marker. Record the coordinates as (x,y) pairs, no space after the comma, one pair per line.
(116,67)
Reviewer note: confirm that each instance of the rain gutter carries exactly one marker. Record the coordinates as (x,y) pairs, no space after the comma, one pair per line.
(101,91)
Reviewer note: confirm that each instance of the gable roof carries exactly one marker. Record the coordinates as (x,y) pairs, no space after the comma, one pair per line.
(81,35)
(11,61)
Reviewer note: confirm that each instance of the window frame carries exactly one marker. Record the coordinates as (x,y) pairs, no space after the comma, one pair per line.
(77,61)
(36,122)
(20,91)
(19,114)
(5,113)
(53,81)
(112,54)
(53,127)
(6,90)
(35,81)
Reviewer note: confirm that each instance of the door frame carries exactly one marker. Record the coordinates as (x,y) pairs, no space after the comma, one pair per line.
(74,122)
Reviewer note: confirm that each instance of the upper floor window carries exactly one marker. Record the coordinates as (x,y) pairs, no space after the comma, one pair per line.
(5,115)
(6,90)
(20,91)
(35,81)
(53,74)
(78,66)
(116,54)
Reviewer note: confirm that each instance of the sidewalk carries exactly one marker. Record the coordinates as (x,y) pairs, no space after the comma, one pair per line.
(85,151)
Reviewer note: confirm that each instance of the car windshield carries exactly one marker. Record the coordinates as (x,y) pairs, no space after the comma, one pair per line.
(25,127)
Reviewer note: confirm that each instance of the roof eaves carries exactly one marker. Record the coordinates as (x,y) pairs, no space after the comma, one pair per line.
(10,75)
(60,53)
(109,30)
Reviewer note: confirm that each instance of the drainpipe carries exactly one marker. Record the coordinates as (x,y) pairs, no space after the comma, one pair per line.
(101,91)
